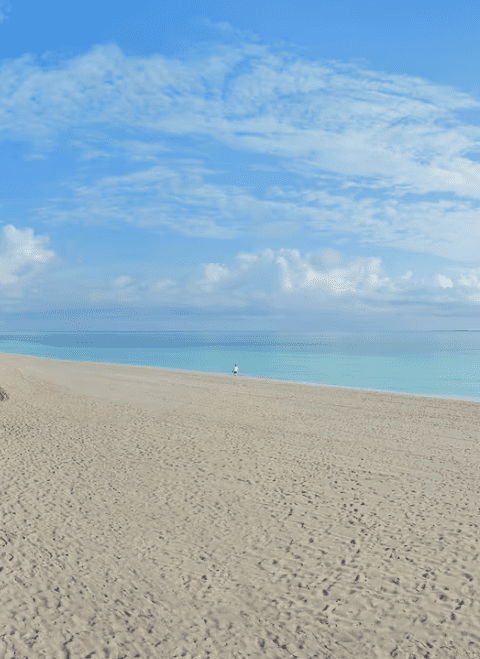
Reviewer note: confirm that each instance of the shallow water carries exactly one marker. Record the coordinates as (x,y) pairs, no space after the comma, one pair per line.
(443,364)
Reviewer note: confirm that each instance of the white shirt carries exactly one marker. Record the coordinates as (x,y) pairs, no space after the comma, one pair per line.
(235,370)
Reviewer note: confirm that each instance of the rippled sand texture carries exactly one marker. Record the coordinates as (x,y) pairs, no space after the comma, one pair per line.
(150,513)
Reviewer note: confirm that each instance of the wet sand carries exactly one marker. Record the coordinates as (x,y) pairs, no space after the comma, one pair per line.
(155,513)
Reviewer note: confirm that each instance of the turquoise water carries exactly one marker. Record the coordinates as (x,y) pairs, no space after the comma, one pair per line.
(445,364)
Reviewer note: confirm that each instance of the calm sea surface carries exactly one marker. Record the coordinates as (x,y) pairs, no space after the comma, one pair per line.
(445,364)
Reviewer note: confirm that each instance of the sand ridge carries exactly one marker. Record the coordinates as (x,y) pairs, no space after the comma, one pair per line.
(158,513)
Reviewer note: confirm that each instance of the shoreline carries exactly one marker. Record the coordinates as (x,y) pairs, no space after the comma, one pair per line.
(468,399)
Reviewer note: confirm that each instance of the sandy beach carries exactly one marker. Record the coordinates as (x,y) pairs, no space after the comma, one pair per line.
(154,513)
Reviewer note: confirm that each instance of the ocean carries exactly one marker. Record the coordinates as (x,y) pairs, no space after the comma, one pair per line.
(438,363)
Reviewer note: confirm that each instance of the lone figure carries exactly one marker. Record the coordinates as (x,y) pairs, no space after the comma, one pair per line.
(235,370)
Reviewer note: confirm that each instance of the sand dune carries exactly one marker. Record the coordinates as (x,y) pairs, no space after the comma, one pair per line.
(154,513)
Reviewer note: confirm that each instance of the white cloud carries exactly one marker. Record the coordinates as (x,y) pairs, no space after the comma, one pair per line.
(445,282)
(382,158)
(470,279)
(282,280)
(159,196)
(358,277)
(213,274)
(357,140)
(122,281)
(4,6)
(181,200)
(341,118)
(22,257)
(163,285)
(126,289)
(228,30)
(466,280)
(35,156)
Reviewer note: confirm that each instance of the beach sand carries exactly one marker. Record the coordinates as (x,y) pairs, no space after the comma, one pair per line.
(156,513)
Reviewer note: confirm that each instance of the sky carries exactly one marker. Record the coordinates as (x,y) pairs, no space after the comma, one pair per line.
(312,166)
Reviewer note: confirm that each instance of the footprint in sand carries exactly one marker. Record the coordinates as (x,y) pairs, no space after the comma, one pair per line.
(3,394)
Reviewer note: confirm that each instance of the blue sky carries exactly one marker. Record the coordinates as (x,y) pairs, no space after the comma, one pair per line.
(239,165)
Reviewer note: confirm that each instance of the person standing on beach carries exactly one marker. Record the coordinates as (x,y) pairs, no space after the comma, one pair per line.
(235,370)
